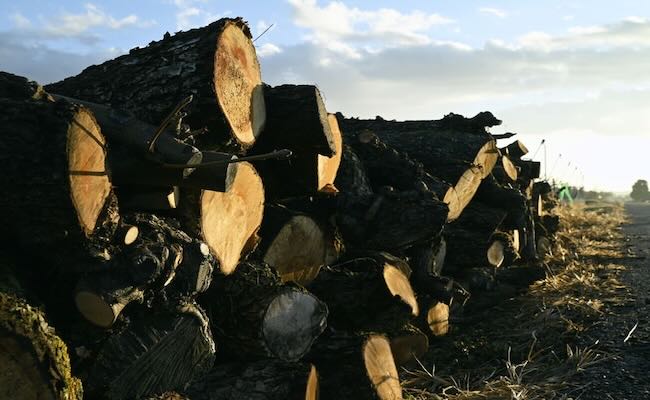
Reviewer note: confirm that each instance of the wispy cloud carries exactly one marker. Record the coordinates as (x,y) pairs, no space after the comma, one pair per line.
(343,28)
(496,12)
(195,13)
(268,49)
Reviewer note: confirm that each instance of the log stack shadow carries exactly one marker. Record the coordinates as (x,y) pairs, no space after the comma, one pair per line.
(189,232)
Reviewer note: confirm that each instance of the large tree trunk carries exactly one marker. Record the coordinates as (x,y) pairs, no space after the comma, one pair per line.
(455,149)
(365,294)
(255,315)
(34,361)
(260,380)
(386,166)
(156,353)
(356,367)
(216,64)
(227,222)
(58,198)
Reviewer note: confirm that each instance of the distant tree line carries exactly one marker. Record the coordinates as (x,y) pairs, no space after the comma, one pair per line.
(640,191)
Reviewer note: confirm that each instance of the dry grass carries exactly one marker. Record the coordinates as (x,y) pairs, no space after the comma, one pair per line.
(523,349)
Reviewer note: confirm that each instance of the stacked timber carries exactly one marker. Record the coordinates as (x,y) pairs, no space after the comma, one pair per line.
(176,229)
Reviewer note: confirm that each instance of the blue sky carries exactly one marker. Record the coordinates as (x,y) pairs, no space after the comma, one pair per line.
(576,73)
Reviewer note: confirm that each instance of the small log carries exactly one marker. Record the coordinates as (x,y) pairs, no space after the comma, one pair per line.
(515,150)
(281,230)
(428,259)
(58,196)
(34,361)
(510,244)
(227,222)
(408,345)
(328,166)
(468,238)
(356,367)
(156,353)
(436,319)
(528,170)
(366,295)
(386,166)
(216,63)
(298,121)
(455,149)
(505,170)
(255,315)
(261,380)
(136,198)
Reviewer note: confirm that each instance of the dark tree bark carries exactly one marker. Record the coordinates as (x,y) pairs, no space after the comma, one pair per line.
(515,150)
(365,294)
(156,353)
(254,315)
(216,64)
(356,366)
(407,345)
(260,380)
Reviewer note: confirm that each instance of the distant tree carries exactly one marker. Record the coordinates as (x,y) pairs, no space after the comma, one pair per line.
(640,191)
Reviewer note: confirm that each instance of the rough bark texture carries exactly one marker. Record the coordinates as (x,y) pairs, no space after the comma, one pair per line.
(364,294)
(261,380)
(34,361)
(455,149)
(469,237)
(156,353)
(386,166)
(356,366)
(150,81)
(254,315)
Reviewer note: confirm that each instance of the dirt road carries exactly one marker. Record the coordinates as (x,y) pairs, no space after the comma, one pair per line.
(627,374)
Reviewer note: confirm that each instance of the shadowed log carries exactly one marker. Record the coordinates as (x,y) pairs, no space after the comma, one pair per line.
(365,294)
(216,63)
(386,166)
(469,238)
(407,345)
(136,198)
(282,229)
(428,259)
(328,166)
(356,367)
(227,222)
(261,380)
(255,315)
(34,361)
(455,149)
(156,353)
(515,150)
(58,194)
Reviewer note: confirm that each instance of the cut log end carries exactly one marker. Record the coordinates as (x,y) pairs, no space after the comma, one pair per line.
(398,285)
(329,166)
(131,235)
(453,201)
(509,168)
(297,263)
(438,319)
(89,183)
(96,310)
(293,320)
(381,369)
(496,253)
(311,393)
(487,158)
(230,220)
(516,240)
(238,84)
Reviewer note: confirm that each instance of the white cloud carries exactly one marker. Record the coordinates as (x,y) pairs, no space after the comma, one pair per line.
(495,12)
(70,25)
(192,14)
(345,28)
(268,49)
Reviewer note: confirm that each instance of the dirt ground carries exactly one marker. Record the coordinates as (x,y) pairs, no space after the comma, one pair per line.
(626,375)
(583,332)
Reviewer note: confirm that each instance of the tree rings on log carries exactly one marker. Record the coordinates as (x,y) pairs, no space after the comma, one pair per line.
(509,168)
(217,64)
(34,361)
(437,318)
(228,222)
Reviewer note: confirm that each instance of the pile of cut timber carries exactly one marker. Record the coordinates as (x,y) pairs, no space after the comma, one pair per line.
(174,228)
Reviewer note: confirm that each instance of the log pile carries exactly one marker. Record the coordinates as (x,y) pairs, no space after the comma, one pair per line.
(190,232)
